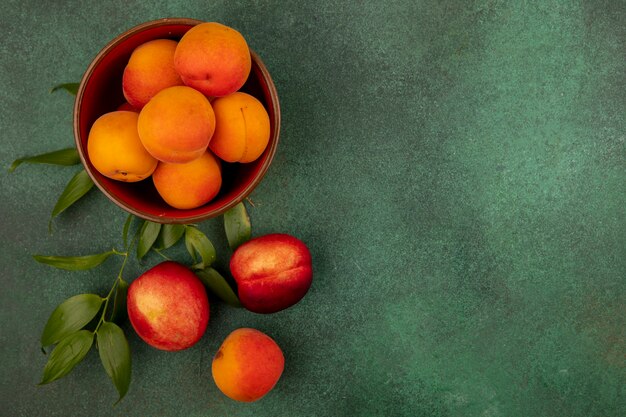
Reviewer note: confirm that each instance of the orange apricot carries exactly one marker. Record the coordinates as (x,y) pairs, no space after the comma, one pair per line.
(242,128)
(247,365)
(188,185)
(150,69)
(177,124)
(213,58)
(115,150)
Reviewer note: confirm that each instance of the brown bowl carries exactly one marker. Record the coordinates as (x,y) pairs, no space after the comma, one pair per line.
(100,92)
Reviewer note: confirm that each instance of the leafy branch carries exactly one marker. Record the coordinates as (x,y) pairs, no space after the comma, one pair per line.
(68,328)
(74,324)
(69,324)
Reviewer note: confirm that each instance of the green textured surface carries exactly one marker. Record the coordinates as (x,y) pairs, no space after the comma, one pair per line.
(458,169)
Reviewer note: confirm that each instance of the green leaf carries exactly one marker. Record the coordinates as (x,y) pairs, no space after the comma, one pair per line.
(65,157)
(66,355)
(74,263)
(189,244)
(147,236)
(78,186)
(115,356)
(169,235)
(127,224)
(71,88)
(119,302)
(198,244)
(217,285)
(237,226)
(71,315)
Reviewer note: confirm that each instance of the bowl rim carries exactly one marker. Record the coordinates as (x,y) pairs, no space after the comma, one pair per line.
(273,98)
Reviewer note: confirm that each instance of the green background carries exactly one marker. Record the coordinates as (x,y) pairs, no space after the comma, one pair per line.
(457,169)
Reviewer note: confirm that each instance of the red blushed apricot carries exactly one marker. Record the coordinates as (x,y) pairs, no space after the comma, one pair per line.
(176,125)
(242,128)
(247,365)
(150,69)
(189,185)
(213,58)
(272,272)
(168,307)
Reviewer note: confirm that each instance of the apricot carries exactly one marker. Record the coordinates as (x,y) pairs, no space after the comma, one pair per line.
(115,150)
(189,185)
(176,125)
(150,69)
(242,128)
(213,59)
(272,272)
(168,307)
(247,365)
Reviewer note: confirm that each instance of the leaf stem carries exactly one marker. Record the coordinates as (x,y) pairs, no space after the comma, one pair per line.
(115,284)
(119,276)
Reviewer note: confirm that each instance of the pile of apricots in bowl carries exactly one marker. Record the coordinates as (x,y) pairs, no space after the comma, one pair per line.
(198,122)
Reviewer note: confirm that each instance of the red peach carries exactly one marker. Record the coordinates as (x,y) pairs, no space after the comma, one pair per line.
(168,307)
(272,272)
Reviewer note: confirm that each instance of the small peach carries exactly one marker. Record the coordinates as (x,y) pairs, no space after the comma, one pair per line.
(213,59)
(115,150)
(150,69)
(188,185)
(176,125)
(242,128)
(247,365)
(272,272)
(168,307)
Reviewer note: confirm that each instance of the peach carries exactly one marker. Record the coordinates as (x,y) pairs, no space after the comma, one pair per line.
(168,307)
(213,59)
(242,128)
(115,150)
(189,185)
(272,272)
(247,365)
(150,69)
(176,125)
